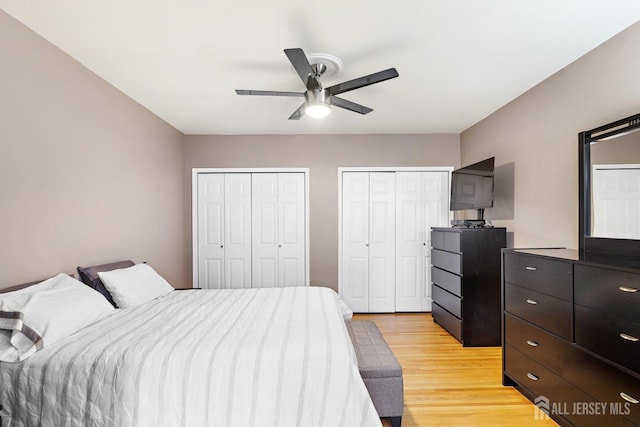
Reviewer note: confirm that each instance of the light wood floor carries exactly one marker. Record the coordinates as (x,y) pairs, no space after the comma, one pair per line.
(446,384)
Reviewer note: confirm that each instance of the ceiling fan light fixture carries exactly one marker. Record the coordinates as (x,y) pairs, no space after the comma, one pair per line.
(317,103)
(317,111)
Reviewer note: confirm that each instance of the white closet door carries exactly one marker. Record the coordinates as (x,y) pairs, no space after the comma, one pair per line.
(382,242)
(435,205)
(210,230)
(291,229)
(355,240)
(264,229)
(421,204)
(237,230)
(410,242)
(278,221)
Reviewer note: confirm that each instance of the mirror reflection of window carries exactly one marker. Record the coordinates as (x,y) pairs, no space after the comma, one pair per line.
(615,187)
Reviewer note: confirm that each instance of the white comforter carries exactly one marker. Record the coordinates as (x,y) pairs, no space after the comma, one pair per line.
(254,357)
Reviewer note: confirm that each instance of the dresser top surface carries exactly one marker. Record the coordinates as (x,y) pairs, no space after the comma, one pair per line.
(463,229)
(587,258)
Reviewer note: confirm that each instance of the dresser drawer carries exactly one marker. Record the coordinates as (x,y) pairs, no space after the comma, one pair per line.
(561,394)
(546,349)
(605,383)
(448,301)
(437,239)
(615,292)
(611,337)
(447,261)
(445,240)
(550,313)
(448,281)
(540,274)
(596,378)
(447,320)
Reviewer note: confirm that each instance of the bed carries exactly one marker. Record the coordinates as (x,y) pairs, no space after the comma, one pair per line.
(248,357)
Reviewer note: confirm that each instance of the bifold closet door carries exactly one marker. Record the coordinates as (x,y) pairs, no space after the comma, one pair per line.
(382,242)
(368,239)
(224,230)
(278,222)
(421,203)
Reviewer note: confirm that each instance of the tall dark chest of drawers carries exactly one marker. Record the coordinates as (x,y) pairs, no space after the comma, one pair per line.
(465,276)
(571,336)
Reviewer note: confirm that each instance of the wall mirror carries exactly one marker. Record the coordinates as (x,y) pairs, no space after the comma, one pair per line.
(610,188)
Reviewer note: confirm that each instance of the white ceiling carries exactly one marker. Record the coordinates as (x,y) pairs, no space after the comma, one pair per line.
(458,60)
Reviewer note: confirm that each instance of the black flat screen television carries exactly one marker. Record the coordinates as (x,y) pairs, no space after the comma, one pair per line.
(472,186)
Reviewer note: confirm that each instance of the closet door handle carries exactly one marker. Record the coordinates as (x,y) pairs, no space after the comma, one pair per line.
(532,376)
(531,268)
(221,246)
(629,398)
(366,244)
(629,337)
(532,302)
(628,290)
(532,343)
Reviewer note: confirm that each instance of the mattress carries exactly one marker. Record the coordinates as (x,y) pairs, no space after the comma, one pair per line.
(242,357)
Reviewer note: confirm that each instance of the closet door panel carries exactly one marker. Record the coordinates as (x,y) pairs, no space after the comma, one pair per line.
(210,230)
(264,189)
(291,229)
(237,230)
(355,236)
(382,242)
(410,242)
(212,273)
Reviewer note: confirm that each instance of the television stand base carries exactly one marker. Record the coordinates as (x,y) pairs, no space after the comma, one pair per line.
(468,223)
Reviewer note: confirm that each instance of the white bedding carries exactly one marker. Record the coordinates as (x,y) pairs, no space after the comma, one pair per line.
(254,357)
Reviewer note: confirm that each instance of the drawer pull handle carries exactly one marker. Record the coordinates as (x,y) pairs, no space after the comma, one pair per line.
(629,290)
(532,302)
(629,337)
(532,376)
(532,343)
(628,398)
(531,268)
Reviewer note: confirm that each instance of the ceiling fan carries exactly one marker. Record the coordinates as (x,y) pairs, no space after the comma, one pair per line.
(318,100)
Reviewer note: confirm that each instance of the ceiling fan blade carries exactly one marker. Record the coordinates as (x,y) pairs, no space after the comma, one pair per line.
(301,64)
(268,93)
(348,105)
(298,113)
(363,81)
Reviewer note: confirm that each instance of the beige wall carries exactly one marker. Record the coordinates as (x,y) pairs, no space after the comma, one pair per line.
(535,140)
(86,175)
(322,154)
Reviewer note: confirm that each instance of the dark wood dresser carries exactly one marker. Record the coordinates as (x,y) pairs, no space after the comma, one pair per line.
(571,335)
(465,276)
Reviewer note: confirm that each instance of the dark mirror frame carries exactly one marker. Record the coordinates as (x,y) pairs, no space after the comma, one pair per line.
(600,245)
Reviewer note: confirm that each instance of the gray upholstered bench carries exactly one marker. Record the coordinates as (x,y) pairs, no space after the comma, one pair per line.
(379,368)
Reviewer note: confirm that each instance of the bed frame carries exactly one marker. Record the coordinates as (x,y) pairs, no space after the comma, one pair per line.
(17,287)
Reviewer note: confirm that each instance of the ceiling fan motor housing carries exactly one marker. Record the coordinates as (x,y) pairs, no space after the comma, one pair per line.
(317,97)
(317,102)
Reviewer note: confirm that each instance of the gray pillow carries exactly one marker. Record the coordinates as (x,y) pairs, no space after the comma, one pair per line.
(89,276)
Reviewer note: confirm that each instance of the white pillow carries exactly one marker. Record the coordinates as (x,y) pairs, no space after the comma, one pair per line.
(134,285)
(43,314)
